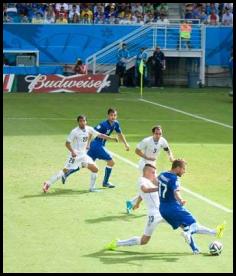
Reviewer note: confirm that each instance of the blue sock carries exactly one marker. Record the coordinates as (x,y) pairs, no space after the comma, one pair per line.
(71,171)
(107,175)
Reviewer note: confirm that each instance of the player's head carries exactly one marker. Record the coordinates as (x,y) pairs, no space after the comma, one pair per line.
(82,121)
(149,171)
(157,132)
(178,166)
(112,114)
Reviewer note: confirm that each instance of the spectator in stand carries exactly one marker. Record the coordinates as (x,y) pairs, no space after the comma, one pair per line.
(59,5)
(162,20)
(98,7)
(148,8)
(228,6)
(99,15)
(37,19)
(213,18)
(189,11)
(74,11)
(126,19)
(227,18)
(87,15)
(203,17)
(121,10)
(211,7)
(71,7)
(111,12)
(137,18)
(61,19)
(75,19)
(136,7)
(62,11)
(162,9)
(149,18)
(24,18)
(49,15)
(80,68)
(11,7)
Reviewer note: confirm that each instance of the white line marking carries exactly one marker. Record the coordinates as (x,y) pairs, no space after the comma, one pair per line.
(187,113)
(210,202)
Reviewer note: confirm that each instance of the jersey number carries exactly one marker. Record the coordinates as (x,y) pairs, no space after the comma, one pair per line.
(162,191)
(72,160)
(155,150)
(84,139)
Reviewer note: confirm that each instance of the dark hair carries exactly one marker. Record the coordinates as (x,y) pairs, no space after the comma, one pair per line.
(111,110)
(81,117)
(148,166)
(178,163)
(156,127)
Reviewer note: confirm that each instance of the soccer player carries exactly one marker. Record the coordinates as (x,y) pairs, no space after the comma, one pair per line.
(149,194)
(172,210)
(148,149)
(97,146)
(76,143)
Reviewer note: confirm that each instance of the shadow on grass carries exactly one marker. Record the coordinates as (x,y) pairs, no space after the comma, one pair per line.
(134,258)
(57,192)
(124,217)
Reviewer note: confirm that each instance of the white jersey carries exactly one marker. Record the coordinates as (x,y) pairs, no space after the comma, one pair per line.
(151,149)
(151,199)
(79,138)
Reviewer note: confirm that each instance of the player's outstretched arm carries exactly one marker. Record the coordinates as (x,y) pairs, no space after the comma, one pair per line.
(123,140)
(179,197)
(106,137)
(149,190)
(136,206)
(169,153)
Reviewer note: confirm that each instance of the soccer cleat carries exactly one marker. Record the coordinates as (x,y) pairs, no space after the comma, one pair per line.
(129,206)
(220,230)
(94,190)
(45,187)
(196,251)
(108,185)
(187,236)
(111,245)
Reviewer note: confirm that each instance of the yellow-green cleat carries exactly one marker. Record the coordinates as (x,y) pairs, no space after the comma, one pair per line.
(111,245)
(220,230)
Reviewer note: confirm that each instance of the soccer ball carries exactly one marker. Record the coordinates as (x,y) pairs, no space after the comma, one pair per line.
(215,248)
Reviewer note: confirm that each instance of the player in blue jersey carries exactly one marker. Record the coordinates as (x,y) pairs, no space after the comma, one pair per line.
(97,148)
(172,210)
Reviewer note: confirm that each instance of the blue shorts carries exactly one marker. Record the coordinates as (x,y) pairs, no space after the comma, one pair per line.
(176,215)
(97,151)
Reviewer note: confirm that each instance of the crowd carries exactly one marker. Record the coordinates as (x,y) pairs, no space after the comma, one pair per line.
(85,13)
(210,13)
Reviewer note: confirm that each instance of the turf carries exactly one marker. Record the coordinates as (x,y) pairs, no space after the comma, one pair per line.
(66,229)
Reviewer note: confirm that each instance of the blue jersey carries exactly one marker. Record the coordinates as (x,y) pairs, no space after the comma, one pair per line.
(141,56)
(168,183)
(122,53)
(106,128)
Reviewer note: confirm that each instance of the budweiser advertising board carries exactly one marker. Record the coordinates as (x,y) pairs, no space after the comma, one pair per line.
(70,84)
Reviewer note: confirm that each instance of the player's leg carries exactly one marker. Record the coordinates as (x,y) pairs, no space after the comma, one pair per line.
(108,170)
(71,168)
(94,173)
(53,179)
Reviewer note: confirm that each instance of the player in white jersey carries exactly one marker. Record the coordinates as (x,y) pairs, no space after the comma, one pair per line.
(149,194)
(149,149)
(77,143)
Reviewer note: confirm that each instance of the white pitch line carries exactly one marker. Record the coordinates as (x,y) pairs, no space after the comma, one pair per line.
(187,113)
(210,202)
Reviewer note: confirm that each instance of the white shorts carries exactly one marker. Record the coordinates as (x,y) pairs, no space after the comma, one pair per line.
(81,161)
(152,222)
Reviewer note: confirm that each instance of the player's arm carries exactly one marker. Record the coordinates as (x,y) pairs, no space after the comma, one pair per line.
(179,197)
(136,206)
(141,154)
(149,190)
(169,153)
(68,146)
(106,137)
(123,140)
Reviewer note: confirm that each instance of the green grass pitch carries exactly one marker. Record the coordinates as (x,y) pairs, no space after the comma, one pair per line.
(66,229)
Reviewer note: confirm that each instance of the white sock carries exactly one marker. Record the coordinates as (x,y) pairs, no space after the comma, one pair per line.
(93,180)
(134,200)
(55,177)
(129,242)
(200,229)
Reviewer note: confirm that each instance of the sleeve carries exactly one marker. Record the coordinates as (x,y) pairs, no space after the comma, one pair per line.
(71,137)
(94,132)
(117,127)
(141,145)
(99,128)
(164,144)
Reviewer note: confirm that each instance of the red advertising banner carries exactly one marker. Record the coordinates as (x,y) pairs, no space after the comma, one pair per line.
(7,82)
(74,83)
